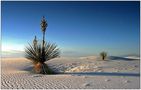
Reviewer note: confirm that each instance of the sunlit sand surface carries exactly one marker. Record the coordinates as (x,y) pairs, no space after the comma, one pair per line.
(80,73)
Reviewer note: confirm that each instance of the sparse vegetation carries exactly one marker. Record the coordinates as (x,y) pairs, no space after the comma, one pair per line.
(35,54)
(103,55)
(40,52)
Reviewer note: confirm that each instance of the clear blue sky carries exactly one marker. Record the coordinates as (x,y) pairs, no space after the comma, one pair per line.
(78,28)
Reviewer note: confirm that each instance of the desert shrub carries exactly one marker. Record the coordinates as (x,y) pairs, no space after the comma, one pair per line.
(103,55)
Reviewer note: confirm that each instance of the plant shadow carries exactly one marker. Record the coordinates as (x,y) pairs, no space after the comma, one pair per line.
(120,58)
(104,74)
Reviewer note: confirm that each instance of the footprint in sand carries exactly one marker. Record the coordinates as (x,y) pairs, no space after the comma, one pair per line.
(107,80)
(127,81)
(37,76)
(86,84)
(135,65)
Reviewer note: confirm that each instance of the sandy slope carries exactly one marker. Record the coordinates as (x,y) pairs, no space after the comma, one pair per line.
(81,73)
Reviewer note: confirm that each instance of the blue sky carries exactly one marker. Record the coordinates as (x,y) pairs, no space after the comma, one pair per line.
(78,28)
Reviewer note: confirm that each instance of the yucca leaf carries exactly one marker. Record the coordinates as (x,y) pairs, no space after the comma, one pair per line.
(41,54)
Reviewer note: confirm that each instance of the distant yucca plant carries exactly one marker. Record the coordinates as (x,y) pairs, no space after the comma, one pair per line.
(35,53)
(103,55)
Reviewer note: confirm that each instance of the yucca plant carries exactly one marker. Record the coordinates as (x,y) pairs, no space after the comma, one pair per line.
(39,52)
(103,55)
(34,52)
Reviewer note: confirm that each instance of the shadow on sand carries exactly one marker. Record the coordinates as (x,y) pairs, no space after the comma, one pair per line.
(30,68)
(105,74)
(120,58)
(95,73)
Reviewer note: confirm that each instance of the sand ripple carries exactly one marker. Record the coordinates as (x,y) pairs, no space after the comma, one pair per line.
(14,75)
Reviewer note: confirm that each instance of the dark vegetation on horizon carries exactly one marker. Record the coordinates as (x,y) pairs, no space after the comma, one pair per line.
(103,55)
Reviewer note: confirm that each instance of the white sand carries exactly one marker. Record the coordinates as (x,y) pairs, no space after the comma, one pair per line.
(88,74)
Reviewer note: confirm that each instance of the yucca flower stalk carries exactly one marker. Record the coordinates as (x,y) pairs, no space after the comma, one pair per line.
(44,25)
(35,41)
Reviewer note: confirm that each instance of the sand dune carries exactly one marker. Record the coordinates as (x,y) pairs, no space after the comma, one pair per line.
(79,74)
(89,57)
